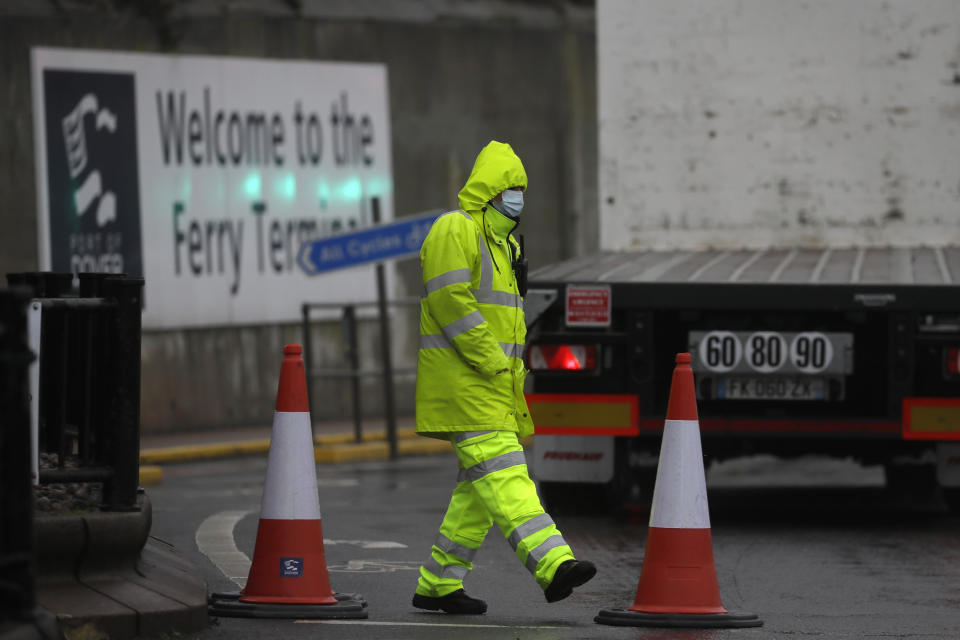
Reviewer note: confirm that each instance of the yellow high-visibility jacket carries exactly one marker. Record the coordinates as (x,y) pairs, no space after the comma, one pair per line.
(471,312)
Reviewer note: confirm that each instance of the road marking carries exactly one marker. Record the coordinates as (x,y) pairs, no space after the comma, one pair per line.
(368,544)
(373,566)
(337,482)
(215,540)
(387,623)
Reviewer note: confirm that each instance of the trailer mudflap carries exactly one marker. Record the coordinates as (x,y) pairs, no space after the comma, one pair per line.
(948,465)
(931,418)
(585,414)
(573,459)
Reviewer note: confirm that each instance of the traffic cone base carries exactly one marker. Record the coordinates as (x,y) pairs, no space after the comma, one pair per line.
(348,606)
(288,576)
(678,581)
(626,618)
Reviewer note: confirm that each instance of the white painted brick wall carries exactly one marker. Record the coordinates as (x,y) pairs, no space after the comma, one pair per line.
(778,123)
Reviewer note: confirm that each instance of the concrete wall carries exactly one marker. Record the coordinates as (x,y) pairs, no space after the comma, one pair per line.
(205,378)
(461,73)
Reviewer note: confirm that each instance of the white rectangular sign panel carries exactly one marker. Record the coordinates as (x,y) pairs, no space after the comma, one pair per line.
(206,174)
(751,123)
(573,458)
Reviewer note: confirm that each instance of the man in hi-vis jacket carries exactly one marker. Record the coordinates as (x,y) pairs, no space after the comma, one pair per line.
(470,375)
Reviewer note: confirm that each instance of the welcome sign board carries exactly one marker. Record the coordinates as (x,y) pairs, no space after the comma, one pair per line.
(205,175)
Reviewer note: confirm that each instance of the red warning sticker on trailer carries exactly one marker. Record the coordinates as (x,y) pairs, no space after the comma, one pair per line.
(588,305)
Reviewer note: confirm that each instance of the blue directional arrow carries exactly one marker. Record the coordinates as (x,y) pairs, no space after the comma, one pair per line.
(396,239)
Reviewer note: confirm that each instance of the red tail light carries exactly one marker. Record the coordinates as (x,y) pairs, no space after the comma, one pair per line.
(953,361)
(562,357)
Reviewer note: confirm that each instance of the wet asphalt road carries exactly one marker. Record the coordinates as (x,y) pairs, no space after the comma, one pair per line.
(815,548)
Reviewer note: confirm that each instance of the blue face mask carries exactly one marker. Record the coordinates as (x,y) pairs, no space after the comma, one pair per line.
(511,204)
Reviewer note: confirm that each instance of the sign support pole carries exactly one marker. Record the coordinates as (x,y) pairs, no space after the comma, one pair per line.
(34,324)
(385,344)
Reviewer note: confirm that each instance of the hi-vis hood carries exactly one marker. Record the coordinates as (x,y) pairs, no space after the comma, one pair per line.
(497,168)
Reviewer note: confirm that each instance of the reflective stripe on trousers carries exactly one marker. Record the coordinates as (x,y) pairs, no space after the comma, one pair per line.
(493,486)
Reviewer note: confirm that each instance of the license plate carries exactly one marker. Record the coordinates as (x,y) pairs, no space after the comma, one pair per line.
(770,388)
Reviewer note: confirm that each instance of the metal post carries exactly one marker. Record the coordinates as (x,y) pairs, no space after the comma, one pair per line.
(16,494)
(59,285)
(385,345)
(92,421)
(62,383)
(53,381)
(353,356)
(307,358)
(87,382)
(120,492)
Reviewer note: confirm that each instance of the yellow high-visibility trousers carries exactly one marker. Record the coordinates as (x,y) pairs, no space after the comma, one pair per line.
(493,486)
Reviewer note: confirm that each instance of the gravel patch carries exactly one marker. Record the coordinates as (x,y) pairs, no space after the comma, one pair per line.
(65,498)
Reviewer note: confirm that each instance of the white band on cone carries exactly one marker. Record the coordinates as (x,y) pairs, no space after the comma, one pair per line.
(680,494)
(290,488)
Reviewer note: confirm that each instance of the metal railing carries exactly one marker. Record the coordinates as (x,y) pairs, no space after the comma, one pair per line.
(17,562)
(353,371)
(89,381)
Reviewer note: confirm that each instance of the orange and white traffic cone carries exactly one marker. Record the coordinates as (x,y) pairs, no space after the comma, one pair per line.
(678,581)
(288,577)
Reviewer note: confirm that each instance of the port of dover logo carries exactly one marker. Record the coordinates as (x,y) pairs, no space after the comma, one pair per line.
(92,175)
(291,567)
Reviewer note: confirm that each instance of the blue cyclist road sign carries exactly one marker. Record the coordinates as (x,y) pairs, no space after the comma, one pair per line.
(396,239)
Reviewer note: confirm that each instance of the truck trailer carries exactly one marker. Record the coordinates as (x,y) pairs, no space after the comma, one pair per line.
(779,196)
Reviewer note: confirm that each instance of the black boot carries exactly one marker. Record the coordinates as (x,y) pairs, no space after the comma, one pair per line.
(456,602)
(570,574)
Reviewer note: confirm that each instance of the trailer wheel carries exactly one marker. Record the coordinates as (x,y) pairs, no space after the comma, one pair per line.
(572,498)
(952,497)
(583,499)
(910,477)
(646,480)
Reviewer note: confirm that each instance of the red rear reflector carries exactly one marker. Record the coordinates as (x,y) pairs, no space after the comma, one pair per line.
(953,361)
(562,357)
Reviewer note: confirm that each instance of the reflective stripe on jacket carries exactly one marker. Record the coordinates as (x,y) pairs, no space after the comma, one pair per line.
(471,314)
